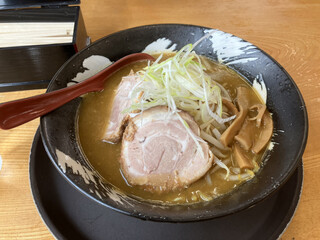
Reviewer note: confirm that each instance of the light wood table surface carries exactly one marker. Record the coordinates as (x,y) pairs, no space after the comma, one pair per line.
(288,30)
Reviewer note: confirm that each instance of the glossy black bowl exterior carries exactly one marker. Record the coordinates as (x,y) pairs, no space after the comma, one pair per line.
(59,128)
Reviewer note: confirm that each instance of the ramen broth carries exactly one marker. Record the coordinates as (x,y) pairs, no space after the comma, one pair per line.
(104,157)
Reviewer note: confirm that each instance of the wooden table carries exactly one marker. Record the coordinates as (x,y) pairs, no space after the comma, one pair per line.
(288,30)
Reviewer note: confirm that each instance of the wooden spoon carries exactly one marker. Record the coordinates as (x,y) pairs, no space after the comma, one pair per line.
(15,113)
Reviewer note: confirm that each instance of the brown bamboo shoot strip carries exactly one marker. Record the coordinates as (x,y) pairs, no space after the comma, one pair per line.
(246,135)
(266,133)
(233,129)
(230,106)
(261,108)
(242,160)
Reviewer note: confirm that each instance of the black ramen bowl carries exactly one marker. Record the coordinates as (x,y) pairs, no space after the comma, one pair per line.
(59,128)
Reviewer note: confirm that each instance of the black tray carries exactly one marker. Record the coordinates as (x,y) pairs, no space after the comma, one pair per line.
(71,215)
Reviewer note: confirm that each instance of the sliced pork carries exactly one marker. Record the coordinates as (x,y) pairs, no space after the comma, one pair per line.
(118,120)
(160,154)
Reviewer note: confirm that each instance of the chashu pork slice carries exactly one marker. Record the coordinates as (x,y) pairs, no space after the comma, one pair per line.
(159,153)
(118,120)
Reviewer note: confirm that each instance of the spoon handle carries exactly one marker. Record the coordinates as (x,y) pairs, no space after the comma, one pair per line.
(15,113)
(20,111)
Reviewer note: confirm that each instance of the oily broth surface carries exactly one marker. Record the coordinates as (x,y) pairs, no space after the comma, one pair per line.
(94,114)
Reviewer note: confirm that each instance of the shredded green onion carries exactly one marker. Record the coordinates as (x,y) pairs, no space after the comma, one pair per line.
(180,82)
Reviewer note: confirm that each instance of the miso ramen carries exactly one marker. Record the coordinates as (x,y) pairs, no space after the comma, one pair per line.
(223,117)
